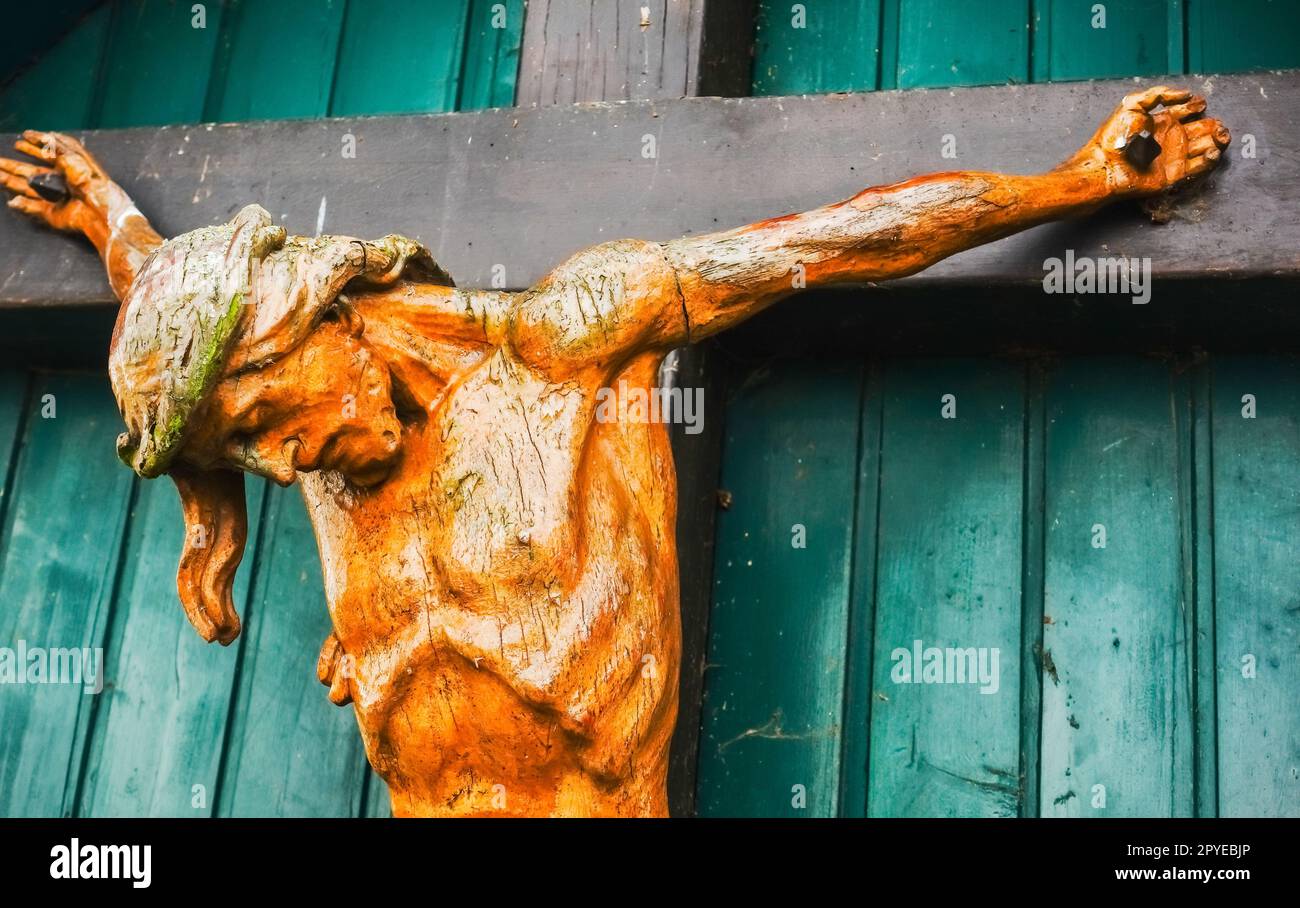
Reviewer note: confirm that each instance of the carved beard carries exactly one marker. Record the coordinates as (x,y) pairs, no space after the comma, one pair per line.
(216,527)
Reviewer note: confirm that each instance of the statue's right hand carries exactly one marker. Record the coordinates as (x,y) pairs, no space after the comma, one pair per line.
(90,190)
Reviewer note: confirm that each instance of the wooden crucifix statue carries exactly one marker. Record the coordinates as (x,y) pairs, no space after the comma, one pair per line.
(499,559)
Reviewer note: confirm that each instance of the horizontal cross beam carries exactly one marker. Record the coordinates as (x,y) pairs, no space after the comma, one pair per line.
(503,195)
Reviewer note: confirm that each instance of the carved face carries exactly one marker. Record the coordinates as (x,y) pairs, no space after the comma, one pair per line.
(325,405)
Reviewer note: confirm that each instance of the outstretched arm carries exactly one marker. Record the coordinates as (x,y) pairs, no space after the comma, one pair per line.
(620,298)
(893,231)
(93,204)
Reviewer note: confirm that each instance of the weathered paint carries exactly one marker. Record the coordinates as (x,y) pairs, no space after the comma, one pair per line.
(1257,584)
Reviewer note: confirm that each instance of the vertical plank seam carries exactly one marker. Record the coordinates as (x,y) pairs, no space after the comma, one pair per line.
(338,58)
(853,619)
(110,618)
(515,52)
(15,451)
(1205,525)
(1034,58)
(875,577)
(236,678)
(95,109)
(219,70)
(1183,414)
(1176,37)
(461,62)
(1033,553)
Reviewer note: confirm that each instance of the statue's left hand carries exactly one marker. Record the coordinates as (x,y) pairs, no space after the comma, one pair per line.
(1189,144)
(90,190)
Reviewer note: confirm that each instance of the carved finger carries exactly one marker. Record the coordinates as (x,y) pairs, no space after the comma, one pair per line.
(37,208)
(21,168)
(64,143)
(1203,163)
(329,654)
(18,185)
(1160,94)
(50,143)
(47,153)
(1200,144)
(1182,111)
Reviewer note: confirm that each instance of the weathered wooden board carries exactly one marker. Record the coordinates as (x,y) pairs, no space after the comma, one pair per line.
(861,631)
(774,688)
(1257,584)
(290,752)
(156,65)
(525,188)
(817,47)
(263,69)
(425,46)
(160,728)
(948,575)
(955,42)
(1116,690)
(61,550)
(583,50)
(1073,39)
(1241,34)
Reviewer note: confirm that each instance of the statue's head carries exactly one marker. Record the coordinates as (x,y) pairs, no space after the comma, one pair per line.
(234,352)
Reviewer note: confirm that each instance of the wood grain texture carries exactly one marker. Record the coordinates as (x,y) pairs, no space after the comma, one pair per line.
(491,59)
(576,51)
(1241,35)
(1073,40)
(264,69)
(829,47)
(156,66)
(949,575)
(161,727)
(62,536)
(479,189)
(774,689)
(958,42)
(1257,585)
(1116,649)
(855,762)
(420,69)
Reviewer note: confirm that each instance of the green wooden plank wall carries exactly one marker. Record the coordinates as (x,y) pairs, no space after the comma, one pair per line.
(1154,676)
(984,531)
(87,554)
(865,45)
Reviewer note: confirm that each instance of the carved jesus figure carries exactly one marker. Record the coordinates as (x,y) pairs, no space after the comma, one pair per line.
(499,564)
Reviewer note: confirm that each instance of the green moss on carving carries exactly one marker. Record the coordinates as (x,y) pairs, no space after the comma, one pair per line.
(167,436)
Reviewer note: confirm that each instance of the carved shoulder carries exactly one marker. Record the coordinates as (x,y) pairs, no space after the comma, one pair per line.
(602,305)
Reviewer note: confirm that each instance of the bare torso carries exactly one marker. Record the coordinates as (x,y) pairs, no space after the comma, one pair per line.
(508,597)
